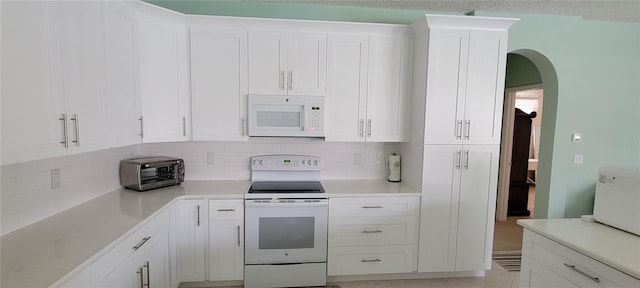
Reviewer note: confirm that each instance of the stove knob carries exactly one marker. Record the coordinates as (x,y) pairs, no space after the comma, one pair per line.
(261,162)
(302,162)
(315,163)
(309,162)
(255,162)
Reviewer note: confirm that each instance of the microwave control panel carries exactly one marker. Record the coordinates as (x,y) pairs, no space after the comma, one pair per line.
(315,118)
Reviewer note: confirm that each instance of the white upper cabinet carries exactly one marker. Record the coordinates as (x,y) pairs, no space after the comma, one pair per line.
(368,88)
(282,63)
(219,84)
(465,84)
(53,92)
(122,82)
(164,83)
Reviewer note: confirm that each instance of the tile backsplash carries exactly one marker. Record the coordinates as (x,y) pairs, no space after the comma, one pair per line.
(26,195)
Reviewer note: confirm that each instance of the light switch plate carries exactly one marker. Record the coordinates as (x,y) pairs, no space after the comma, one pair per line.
(55,178)
(578,159)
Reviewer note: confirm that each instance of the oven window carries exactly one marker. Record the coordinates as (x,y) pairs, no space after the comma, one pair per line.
(286,232)
(279,119)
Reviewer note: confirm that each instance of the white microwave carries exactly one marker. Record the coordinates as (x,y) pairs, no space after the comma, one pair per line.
(286,116)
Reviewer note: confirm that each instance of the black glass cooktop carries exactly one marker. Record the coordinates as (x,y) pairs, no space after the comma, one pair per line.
(286,187)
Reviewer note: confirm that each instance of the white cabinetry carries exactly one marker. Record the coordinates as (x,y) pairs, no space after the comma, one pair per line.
(190,239)
(164,83)
(546,263)
(465,84)
(282,63)
(53,100)
(226,240)
(219,84)
(372,235)
(459,185)
(369,75)
(122,82)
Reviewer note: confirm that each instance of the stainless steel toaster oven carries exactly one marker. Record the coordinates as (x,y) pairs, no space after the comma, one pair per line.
(151,172)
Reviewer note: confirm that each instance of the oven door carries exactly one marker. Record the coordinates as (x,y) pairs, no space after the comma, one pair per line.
(294,231)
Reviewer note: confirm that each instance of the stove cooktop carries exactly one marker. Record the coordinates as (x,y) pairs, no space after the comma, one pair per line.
(281,187)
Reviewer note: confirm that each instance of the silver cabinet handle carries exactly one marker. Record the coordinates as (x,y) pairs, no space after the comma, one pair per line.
(76,123)
(146,265)
(573,267)
(466,160)
(290,80)
(139,272)
(459,129)
(198,215)
(368,127)
(226,209)
(370,207)
(372,231)
(238,235)
(65,131)
(281,79)
(458,154)
(361,128)
(141,127)
(467,128)
(370,260)
(144,240)
(184,126)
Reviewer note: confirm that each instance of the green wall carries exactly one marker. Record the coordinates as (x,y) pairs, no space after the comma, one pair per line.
(521,72)
(590,72)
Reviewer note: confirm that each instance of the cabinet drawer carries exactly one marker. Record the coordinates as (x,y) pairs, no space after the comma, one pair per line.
(572,265)
(363,231)
(373,206)
(118,254)
(371,260)
(226,209)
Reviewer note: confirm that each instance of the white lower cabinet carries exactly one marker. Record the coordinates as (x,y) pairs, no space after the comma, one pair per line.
(226,240)
(141,260)
(372,235)
(546,263)
(190,239)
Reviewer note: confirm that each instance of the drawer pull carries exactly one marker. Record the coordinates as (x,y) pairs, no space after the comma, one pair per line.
(371,231)
(370,260)
(226,210)
(370,207)
(144,240)
(573,267)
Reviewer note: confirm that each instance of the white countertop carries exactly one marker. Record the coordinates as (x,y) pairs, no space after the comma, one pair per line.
(41,253)
(611,246)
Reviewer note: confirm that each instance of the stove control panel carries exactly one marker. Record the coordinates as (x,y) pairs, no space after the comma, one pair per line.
(286,162)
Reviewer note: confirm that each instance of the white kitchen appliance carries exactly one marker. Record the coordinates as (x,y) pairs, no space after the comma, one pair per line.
(288,116)
(286,212)
(617,201)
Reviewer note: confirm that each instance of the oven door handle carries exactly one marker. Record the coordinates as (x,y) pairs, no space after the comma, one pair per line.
(248,203)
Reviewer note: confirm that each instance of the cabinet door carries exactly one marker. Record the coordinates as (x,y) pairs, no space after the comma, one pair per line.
(387,89)
(347,87)
(30,110)
(190,234)
(485,87)
(226,240)
(534,275)
(154,261)
(446,76)
(122,88)
(163,80)
(479,165)
(267,62)
(219,84)
(439,208)
(78,40)
(123,275)
(307,64)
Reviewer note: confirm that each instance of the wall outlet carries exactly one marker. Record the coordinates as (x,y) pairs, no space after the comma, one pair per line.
(209,158)
(578,159)
(379,158)
(55,178)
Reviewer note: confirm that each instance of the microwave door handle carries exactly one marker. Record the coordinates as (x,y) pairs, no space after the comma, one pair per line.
(305,118)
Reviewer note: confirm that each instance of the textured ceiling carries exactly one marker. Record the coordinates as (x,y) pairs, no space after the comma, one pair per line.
(622,11)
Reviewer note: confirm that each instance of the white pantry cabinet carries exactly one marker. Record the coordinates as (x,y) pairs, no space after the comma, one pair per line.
(53,92)
(287,63)
(465,84)
(122,81)
(190,239)
(459,184)
(226,240)
(164,82)
(368,75)
(219,84)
